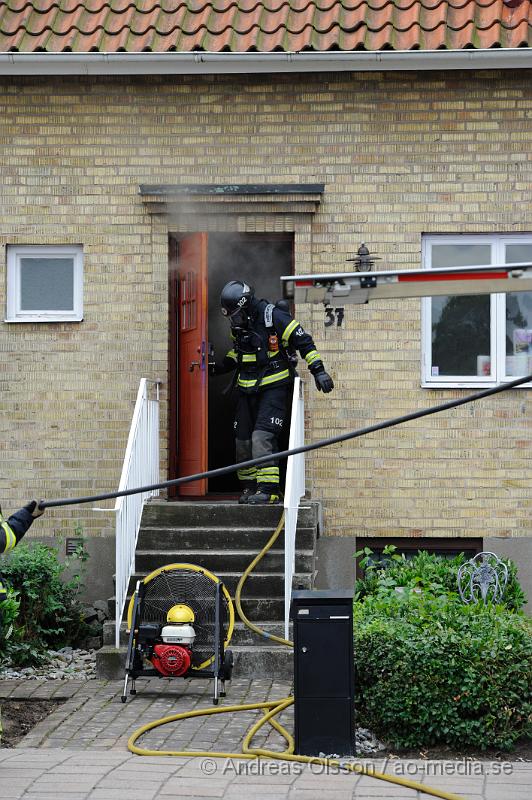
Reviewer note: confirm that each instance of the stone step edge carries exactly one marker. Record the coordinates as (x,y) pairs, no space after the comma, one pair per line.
(206,527)
(232,574)
(238,623)
(163,520)
(237,648)
(278,598)
(250,662)
(159,502)
(241,634)
(232,552)
(246,603)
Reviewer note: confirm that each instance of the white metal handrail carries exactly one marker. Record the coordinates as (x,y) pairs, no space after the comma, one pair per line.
(140,468)
(294,491)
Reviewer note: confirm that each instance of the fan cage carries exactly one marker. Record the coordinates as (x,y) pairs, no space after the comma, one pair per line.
(196,588)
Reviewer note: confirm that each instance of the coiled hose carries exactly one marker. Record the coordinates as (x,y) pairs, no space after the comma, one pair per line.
(270,709)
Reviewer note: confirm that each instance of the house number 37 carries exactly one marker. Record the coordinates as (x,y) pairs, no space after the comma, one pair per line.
(333,315)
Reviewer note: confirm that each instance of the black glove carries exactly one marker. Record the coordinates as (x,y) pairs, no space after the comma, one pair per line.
(220,369)
(34,509)
(324,382)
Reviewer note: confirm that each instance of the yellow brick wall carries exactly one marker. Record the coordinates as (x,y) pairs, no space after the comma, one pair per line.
(400,153)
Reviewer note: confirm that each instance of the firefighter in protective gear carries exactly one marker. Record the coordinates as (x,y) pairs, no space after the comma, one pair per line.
(265,337)
(13,529)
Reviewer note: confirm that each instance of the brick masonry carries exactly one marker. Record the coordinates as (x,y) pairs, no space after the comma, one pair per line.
(401,154)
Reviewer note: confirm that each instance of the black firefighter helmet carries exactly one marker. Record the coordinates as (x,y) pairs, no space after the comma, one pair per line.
(236,299)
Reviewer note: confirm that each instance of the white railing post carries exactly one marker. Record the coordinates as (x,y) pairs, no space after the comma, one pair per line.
(294,491)
(140,468)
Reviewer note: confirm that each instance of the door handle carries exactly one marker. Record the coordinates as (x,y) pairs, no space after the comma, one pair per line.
(192,365)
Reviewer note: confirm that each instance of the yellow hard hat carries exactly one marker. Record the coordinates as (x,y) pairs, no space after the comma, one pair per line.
(180,614)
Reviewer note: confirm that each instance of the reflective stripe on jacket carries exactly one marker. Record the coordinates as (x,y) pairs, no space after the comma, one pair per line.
(8,539)
(259,366)
(11,532)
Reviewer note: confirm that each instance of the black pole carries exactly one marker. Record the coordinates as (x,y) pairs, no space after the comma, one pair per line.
(214,473)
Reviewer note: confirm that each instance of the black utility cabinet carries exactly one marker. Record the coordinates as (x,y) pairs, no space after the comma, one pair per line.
(323,672)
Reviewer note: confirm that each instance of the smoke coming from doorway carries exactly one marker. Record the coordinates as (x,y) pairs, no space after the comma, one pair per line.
(260,260)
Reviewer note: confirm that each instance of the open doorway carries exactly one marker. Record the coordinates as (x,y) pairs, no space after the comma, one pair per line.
(260,260)
(201,407)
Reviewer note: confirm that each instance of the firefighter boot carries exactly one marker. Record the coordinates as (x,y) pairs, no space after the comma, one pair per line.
(247,492)
(263,498)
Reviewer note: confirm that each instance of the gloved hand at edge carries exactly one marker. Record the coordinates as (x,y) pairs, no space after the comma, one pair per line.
(33,508)
(324,382)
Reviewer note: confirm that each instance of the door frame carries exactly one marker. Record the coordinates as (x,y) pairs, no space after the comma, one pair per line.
(228,208)
(173,364)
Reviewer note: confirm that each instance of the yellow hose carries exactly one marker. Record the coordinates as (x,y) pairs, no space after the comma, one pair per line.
(270,709)
(269,544)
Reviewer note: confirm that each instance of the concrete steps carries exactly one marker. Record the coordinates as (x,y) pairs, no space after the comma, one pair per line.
(215,537)
(225,561)
(258,585)
(242,635)
(224,537)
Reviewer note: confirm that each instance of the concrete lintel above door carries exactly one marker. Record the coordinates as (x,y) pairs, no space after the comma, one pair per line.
(239,199)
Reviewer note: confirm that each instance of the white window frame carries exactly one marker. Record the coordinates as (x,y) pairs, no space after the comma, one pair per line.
(14,312)
(497,243)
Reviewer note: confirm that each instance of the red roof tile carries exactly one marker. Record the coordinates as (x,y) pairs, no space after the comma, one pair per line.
(248,25)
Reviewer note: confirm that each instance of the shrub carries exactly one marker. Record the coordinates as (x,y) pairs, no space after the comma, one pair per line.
(8,615)
(49,615)
(431,670)
(426,571)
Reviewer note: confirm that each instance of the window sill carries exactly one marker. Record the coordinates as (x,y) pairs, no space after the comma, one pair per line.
(490,384)
(41,318)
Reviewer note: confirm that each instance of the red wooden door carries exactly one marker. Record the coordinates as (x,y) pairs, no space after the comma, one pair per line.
(192,431)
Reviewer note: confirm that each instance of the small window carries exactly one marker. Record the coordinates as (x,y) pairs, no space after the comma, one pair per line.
(44,284)
(476,340)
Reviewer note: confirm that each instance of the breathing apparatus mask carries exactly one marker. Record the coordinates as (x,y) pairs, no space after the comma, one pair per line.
(236,301)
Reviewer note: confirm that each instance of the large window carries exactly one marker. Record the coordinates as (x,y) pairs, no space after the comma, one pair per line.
(44,284)
(482,339)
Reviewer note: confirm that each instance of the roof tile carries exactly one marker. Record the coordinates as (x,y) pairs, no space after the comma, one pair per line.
(247,25)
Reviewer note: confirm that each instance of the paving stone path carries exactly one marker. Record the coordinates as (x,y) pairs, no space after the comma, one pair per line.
(79,752)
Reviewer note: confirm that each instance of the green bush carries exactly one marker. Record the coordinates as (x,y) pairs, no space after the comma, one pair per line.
(431,670)
(425,571)
(49,615)
(8,615)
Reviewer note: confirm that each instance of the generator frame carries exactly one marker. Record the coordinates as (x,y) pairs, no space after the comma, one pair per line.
(222,659)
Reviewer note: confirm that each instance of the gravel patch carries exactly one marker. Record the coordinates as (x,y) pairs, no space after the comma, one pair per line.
(65,664)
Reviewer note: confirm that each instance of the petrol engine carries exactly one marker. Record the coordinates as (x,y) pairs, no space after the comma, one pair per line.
(169,646)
